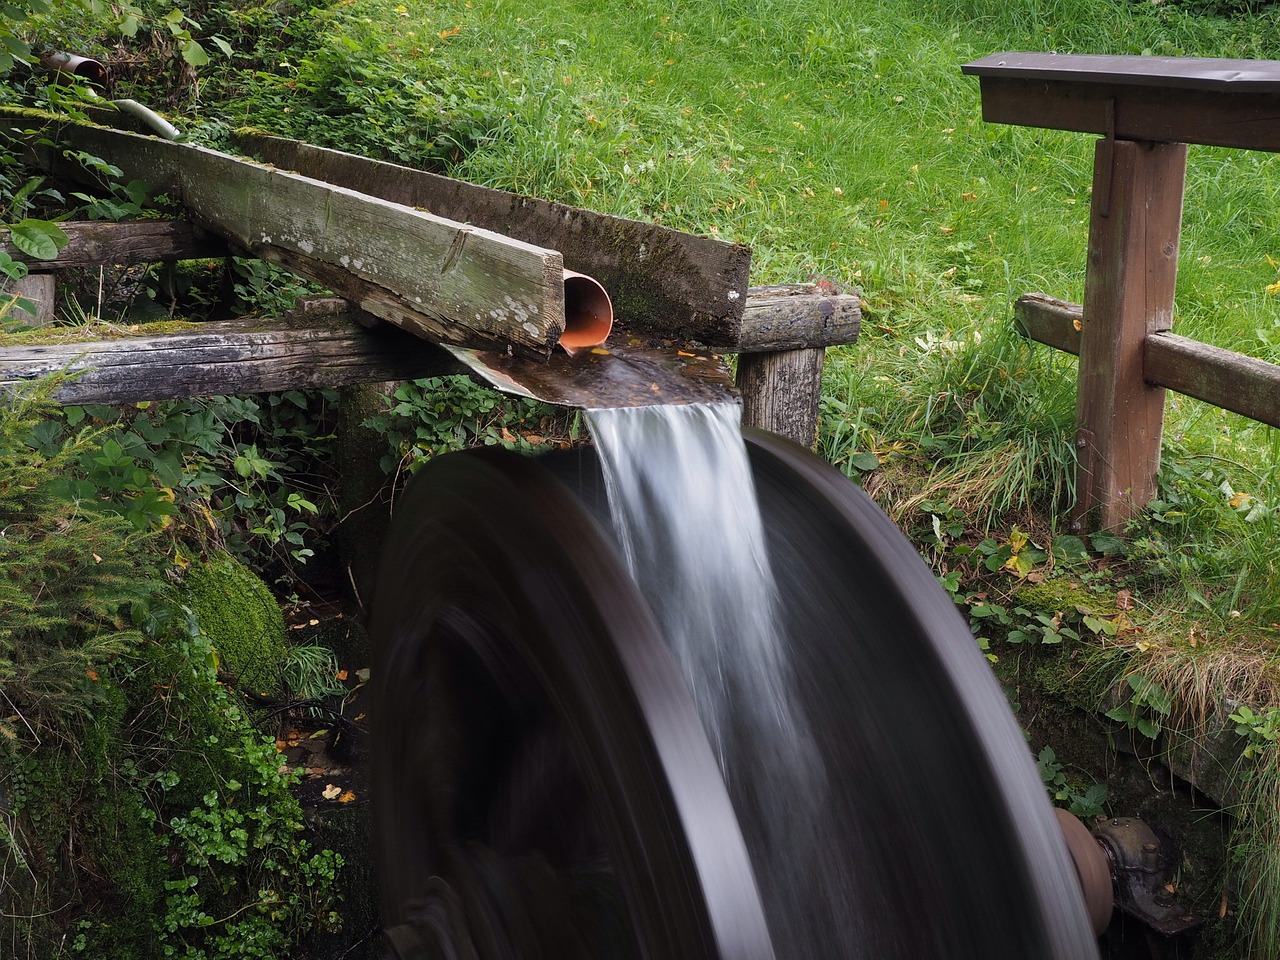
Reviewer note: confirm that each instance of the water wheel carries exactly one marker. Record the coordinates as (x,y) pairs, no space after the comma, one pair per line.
(543,786)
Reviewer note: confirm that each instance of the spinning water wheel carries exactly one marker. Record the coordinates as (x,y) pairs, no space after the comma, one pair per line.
(544,788)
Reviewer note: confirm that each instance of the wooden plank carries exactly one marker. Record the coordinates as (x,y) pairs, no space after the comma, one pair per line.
(798,316)
(1055,323)
(1224,103)
(780,392)
(1221,377)
(662,282)
(230,356)
(1224,378)
(103,243)
(465,285)
(1129,284)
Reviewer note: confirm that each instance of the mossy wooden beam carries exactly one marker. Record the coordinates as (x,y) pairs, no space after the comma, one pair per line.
(320,348)
(663,282)
(451,282)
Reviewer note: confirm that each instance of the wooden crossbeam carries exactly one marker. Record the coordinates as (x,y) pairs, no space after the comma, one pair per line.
(1225,103)
(326,343)
(97,243)
(1224,378)
(328,348)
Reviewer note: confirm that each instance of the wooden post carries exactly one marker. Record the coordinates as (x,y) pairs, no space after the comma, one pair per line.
(780,392)
(37,289)
(1129,282)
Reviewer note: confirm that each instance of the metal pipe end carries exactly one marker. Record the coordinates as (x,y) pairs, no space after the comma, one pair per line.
(588,313)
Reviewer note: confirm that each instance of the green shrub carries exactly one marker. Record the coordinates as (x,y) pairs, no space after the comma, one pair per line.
(236,611)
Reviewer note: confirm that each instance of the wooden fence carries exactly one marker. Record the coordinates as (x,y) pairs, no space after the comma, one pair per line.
(1147,110)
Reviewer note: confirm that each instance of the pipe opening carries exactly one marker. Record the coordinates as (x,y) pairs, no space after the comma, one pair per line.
(588,313)
(62,64)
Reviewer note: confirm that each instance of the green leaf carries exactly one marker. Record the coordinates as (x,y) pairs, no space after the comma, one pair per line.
(864,461)
(222,45)
(194,54)
(15,46)
(38,238)
(1108,544)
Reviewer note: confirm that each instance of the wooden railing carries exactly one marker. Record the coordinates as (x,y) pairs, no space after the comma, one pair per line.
(1147,110)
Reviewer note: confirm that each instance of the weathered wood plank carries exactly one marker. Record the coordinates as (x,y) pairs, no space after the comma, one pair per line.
(102,243)
(1129,282)
(780,392)
(1224,378)
(1226,103)
(467,285)
(662,282)
(797,317)
(230,356)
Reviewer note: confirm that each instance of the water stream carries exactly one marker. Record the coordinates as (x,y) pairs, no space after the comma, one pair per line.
(684,510)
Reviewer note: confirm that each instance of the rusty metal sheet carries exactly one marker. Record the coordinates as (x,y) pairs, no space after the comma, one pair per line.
(628,371)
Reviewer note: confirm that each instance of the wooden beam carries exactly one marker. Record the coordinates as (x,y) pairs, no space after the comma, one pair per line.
(1055,323)
(229,356)
(663,282)
(1224,378)
(458,283)
(103,243)
(1226,103)
(798,316)
(1134,229)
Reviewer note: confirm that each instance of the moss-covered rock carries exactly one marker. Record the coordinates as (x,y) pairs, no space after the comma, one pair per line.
(241,619)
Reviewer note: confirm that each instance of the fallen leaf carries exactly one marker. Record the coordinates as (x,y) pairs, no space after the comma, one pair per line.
(341,674)
(347,797)
(1273,288)
(91,674)
(331,792)
(446,34)
(363,674)
(1124,600)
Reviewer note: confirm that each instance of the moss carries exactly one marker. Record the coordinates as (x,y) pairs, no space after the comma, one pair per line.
(93,333)
(241,619)
(1062,594)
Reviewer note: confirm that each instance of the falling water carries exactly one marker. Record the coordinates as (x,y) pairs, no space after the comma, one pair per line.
(684,511)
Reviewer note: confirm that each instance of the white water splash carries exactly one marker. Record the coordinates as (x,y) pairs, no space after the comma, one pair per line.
(684,510)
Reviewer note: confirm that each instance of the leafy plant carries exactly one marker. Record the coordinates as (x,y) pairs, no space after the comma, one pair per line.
(439,414)
(1089,802)
(1147,707)
(1260,730)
